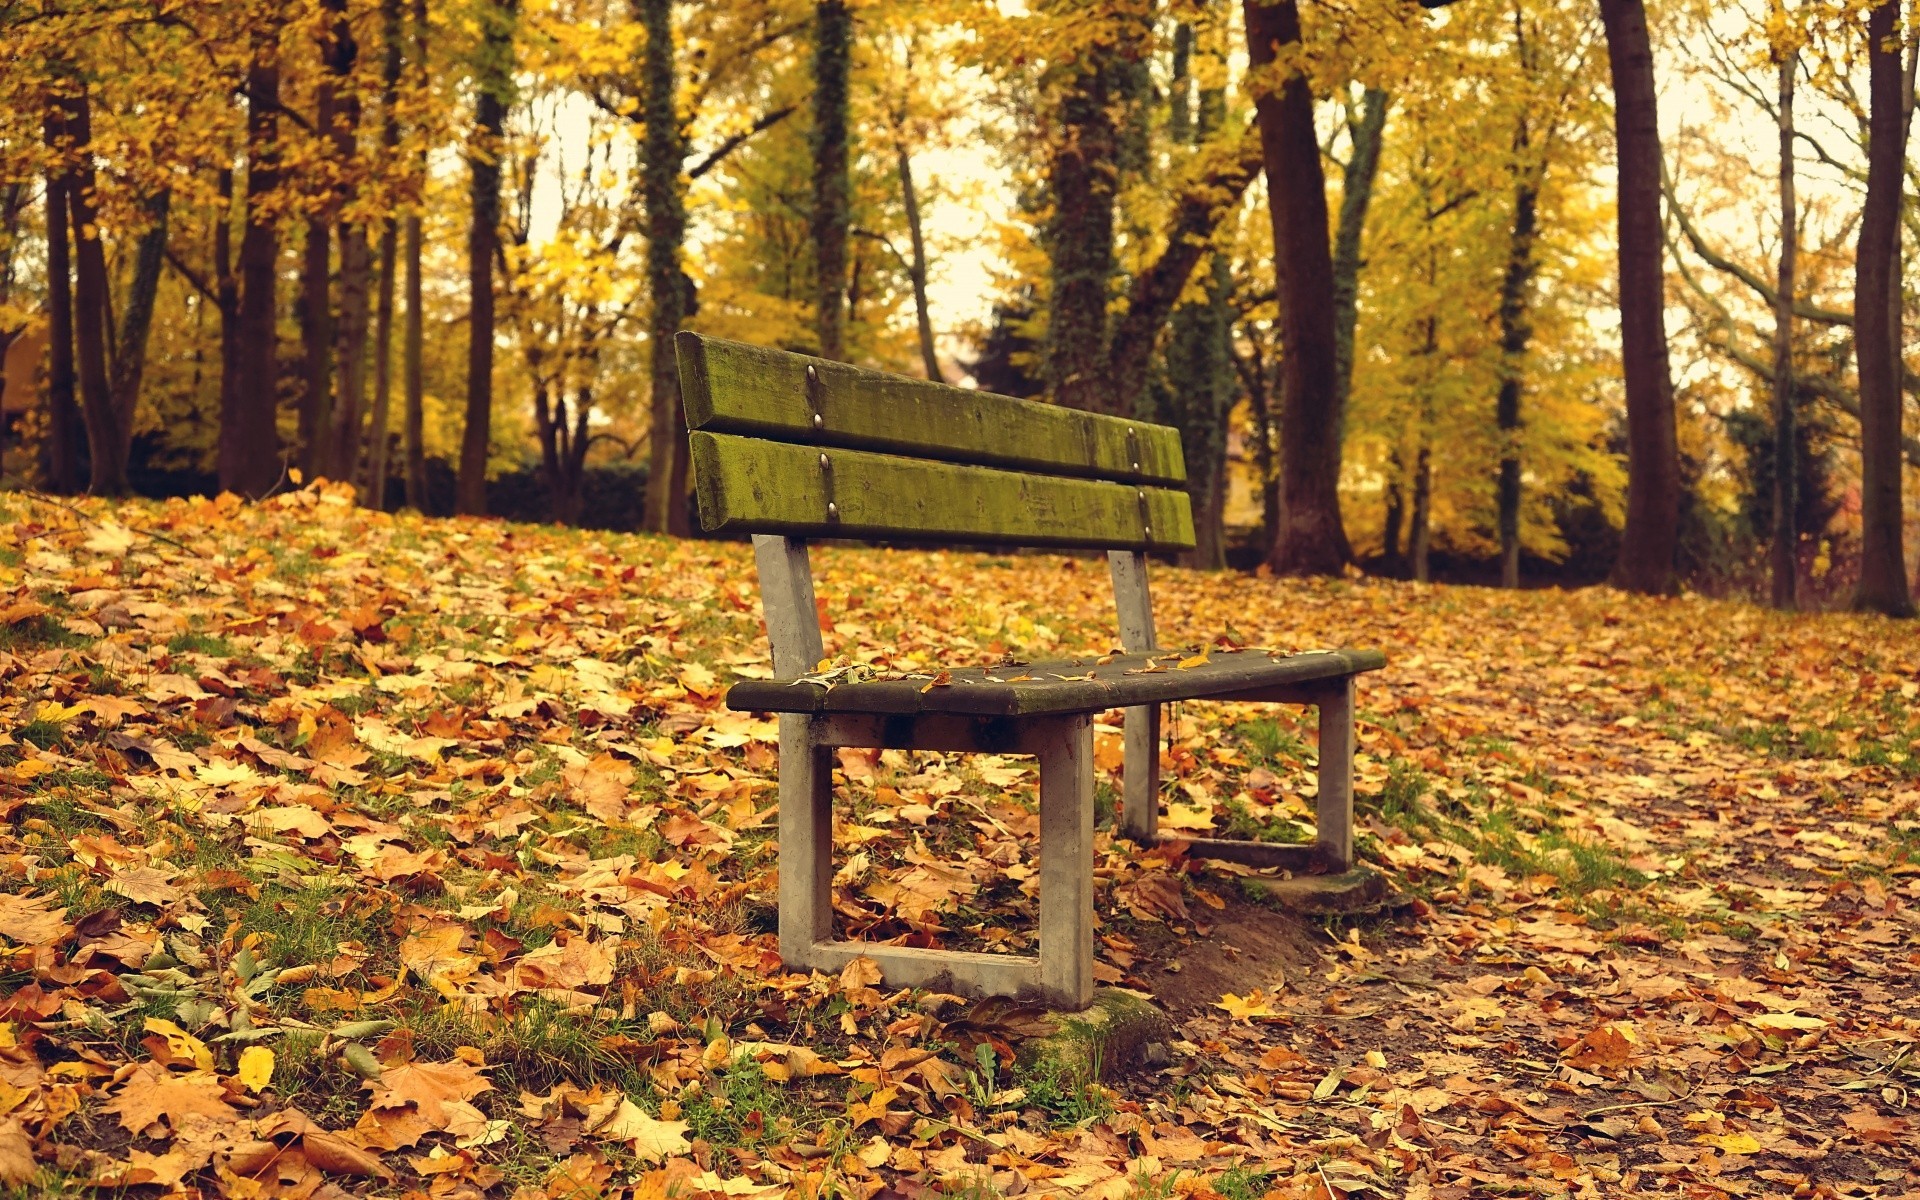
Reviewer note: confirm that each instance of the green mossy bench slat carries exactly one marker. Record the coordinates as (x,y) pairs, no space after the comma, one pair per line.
(730,387)
(749,485)
(1074,685)
(791,448)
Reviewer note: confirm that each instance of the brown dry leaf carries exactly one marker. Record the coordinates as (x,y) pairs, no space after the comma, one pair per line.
(16,1153)
(30,920)
(435,1089)
(600,786)
(146,885)
(152,1093)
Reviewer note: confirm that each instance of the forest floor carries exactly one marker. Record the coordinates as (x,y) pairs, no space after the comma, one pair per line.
(351,853)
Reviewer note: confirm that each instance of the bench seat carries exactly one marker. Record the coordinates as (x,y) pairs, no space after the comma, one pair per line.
(1073,685)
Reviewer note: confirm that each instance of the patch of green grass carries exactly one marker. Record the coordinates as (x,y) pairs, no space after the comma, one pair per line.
(1245,824)
(39,633)
(208,644)
(1062,1094)
(43,734)
(1400,800)
(1243,1182)
(302,924)
(1267,743)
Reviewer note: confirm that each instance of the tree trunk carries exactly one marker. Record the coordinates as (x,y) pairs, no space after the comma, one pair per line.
(1392,562)
(65,430)
(350,333)
(923,318)
(373,489)
(1516,331)
(1421,535)
(413,353)
(1783,556)
(1877,327)
(832,202)
(1356,195)
(669,289)
(107,440)
(250,462)
(1647,545)
(495,79)
(1311,540)
(226,297)
(316,292)
(1254,381)
(1079,237)
(136,317)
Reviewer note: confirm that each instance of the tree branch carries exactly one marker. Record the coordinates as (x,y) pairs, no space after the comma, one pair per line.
(1720,262)
(766,120)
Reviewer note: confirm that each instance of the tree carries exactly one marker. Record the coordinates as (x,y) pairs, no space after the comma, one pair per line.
(413,351)
(65,431)
(1782,557)
(1647,546)
(832,52)
(493,74)
(1876,308)
(1311,539)
(374,489)
(249,452)
(669,291)
(109,432)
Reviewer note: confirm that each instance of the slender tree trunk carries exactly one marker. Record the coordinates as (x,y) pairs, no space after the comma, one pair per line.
(832,187)
(250,462)
(356,262)
(1516,331)
(1877,326)
(136,318)
(226,297)
(414,338)
(108,441)
(669,290)
(1311,540)
(495,76)
(1356,195)
(316,289)
(65,430)
(1254,381)
(1784,555)
(923,318)
(373,491)
(1392,562)
(1652,535)
(1421,535)
(1079,237)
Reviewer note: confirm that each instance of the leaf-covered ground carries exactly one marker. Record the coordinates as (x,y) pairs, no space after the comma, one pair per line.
(348,853)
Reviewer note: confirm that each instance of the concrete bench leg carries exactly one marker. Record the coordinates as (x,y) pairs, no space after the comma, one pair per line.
(1333,811)
(1066,862)
(1140,777)
(806,842)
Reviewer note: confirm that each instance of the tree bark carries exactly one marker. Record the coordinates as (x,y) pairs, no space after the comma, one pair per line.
(923,317)
(1883,583)
(1783,556)
(65,430)
(249,454)
(1421,534)
(1516,331)
(413,353)
(832,207)
(108,441)
(1356,196)
(373,491)
(669,289)
(136,316)
(1311,540)
(316,288)
(495,79)
(1079,237)
(1647,546)
(350,331)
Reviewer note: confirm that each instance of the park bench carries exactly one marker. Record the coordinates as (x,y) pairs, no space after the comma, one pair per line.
(791,449)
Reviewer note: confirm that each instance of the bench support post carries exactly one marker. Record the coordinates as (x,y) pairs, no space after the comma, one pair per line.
(1333,809)
(1066,862)
(1140,779)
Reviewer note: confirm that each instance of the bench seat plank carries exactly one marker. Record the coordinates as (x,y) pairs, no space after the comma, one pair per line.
(1075,685)
(747,485)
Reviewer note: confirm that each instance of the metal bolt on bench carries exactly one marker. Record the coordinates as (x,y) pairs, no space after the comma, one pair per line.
(790,448)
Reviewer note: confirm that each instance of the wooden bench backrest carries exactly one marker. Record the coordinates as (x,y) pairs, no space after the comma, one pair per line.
(808,448)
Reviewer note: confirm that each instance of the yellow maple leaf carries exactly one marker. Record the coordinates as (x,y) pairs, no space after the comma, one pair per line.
(256,1068)
(1254,1006)
(180,1044)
